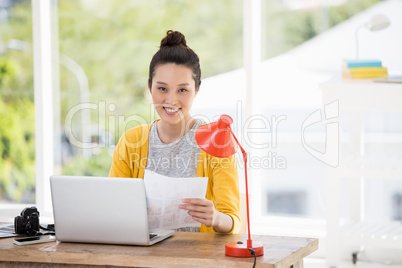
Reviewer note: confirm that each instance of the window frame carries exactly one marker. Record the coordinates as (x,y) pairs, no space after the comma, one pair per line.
(44,115)
(43,93)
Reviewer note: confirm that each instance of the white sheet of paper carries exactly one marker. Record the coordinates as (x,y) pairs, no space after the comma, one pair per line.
(165,194)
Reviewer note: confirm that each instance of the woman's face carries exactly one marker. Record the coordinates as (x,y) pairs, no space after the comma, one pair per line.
(173,92)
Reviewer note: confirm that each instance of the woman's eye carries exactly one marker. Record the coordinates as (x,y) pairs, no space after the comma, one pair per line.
(162,88)
(182,90)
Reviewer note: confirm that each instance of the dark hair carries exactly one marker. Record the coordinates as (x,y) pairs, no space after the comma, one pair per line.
(174,49)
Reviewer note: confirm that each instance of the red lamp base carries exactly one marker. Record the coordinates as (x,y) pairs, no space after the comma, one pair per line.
(240,249)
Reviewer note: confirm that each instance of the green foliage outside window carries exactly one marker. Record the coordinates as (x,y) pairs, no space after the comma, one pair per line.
(294,27)
(17,149)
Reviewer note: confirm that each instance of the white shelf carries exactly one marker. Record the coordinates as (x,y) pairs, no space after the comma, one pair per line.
(382,159)
(372,172)
(371,167)
(385,138)
(363,95)
(384,235)
(319,137)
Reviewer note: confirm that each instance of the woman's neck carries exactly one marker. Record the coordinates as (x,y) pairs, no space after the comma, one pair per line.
(169,133)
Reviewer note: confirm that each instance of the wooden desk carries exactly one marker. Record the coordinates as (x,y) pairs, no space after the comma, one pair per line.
(184,249)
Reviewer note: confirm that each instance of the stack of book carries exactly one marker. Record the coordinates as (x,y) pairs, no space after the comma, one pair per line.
(360,69)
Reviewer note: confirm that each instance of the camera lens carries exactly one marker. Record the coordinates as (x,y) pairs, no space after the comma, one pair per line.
(18,226)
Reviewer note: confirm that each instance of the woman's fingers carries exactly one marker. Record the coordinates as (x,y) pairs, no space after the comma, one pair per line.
(202,210)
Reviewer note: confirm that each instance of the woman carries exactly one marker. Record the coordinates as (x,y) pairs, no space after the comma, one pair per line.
(168,147)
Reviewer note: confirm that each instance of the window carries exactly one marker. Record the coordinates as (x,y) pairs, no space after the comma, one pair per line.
(396,206)
(17,123)
(287,202)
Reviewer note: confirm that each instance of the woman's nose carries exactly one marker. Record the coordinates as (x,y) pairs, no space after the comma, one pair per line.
(171,97)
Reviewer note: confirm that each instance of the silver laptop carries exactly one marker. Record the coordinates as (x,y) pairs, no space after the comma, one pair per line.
(102,210)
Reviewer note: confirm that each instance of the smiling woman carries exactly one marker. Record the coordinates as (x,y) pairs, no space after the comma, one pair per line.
(174,80)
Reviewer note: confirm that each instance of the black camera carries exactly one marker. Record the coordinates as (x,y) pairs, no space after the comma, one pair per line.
(28,222)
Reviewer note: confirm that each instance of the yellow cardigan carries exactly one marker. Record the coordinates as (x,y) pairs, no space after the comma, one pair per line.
(130,160)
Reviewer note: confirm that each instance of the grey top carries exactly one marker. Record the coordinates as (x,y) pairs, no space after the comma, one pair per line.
(177,159)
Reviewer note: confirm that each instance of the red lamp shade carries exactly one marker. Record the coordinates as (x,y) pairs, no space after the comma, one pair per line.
(216,138)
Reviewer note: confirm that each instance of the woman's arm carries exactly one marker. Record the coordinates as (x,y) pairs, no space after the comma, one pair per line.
(222,194)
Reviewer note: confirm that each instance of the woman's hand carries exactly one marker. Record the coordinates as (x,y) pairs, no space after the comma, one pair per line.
(203,211)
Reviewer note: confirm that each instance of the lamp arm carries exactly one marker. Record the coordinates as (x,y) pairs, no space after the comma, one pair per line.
(238,143)
(249,241)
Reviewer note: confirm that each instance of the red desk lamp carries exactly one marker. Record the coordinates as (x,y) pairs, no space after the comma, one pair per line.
(217,139)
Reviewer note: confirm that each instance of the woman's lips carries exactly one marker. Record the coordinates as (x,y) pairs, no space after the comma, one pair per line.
(171,111)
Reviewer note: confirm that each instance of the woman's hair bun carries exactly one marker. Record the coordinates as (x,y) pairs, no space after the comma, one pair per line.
(174,50)
(173,38)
